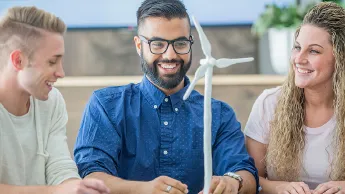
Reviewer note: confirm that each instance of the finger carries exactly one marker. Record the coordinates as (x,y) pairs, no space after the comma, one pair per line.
(220,187)
(176,191)
(201,192)
(175,184)
(165,188)
(323,188)
(332,190)
(305,187)
(316,190)
(292,190)
(298,188)
(214,183)
(96,184)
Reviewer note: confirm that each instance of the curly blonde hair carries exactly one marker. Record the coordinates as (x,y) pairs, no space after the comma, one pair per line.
(287,137)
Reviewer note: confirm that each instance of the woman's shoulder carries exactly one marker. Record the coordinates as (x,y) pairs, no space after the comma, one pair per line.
(257,126)
(270,96)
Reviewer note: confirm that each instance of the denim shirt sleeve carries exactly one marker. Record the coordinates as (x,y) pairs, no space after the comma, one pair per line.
(98,143)
(229,151)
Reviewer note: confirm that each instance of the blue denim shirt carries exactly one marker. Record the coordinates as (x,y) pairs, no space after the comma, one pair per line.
(136,132)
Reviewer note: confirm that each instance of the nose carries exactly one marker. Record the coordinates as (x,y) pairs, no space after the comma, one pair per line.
(60,73)
(170,53)
(300,58)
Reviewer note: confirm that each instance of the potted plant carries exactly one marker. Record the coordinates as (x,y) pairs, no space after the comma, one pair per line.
(279,23)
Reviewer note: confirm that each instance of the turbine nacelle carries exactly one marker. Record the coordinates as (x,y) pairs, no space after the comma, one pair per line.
(208,61)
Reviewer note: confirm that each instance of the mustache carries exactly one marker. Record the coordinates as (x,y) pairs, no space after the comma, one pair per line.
(179,61)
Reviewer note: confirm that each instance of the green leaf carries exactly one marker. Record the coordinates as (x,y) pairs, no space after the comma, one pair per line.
(275,16)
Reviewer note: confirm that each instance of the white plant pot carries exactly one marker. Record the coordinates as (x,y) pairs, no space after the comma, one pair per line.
(280,45)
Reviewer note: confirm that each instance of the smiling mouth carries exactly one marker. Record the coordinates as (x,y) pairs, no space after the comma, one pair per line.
(304,71)
(50,84)
(168,66)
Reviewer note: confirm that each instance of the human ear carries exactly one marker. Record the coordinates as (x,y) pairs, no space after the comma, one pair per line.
(16,59)
(138,45)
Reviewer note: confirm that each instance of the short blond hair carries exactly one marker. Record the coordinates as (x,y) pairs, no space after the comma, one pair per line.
(21,27)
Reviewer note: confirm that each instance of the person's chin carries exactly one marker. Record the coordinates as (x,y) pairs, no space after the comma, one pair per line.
(168,76)
(301,84)
(42,97)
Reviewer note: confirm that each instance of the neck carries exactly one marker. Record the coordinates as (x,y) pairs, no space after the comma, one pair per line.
(319,98)
(15,100)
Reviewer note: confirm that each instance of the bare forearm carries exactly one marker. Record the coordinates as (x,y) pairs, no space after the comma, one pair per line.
(269,187)
(117,185)
(249,182)
(12,189)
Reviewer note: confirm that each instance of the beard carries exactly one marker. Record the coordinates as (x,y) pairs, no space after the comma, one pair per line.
(169,81)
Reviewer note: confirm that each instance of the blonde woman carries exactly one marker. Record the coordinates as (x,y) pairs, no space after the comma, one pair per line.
(296,132)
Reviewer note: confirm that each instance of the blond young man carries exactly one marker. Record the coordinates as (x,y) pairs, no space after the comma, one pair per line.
(33,117)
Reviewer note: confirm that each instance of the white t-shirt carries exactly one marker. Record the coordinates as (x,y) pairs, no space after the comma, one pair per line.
(318,153)
(33,147)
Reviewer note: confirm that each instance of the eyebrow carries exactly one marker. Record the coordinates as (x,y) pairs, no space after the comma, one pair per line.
(316,45)
(58,56)
(159,38)
(311,44)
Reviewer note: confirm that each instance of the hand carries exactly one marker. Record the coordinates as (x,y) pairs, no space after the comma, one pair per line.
(330,187)
(293,188)
(161,184)
(223,185)
(85,186)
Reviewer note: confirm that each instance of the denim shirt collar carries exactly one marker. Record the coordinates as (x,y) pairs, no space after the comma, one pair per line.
(155,96)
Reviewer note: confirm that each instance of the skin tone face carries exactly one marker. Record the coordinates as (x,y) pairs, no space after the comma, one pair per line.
(165,70)
(312,58)
(36,76)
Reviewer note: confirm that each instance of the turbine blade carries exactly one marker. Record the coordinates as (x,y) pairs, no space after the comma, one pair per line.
(221,63)
(205,43)
(200,73)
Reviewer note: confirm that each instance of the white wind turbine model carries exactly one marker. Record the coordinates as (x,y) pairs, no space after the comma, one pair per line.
(206,69)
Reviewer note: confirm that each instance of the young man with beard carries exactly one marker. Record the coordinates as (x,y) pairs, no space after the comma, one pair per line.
(34,157)
(143,138)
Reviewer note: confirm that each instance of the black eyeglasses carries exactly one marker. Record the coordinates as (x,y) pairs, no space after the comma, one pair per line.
(160,46)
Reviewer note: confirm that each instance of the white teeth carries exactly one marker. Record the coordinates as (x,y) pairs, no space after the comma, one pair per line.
(300,69)
(50,83)
(303,71)
(168,66)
